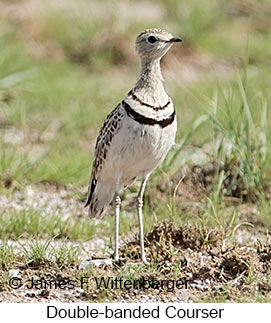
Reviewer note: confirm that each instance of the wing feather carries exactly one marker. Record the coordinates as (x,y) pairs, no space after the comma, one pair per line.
(107,132)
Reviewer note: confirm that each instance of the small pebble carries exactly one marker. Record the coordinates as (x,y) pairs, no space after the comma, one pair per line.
(13,273)
(86,264)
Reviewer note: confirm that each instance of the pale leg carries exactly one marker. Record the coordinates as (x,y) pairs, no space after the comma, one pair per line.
(140,218)
(117,203)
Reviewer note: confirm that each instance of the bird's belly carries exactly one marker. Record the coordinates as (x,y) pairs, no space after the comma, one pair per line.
(141,149)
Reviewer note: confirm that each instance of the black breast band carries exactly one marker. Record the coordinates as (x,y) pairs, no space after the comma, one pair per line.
(148,121)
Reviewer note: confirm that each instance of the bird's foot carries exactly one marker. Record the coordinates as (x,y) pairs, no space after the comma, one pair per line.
(145,261)
(119,261)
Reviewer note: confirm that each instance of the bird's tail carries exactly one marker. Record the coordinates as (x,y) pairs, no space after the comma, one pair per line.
(99,197)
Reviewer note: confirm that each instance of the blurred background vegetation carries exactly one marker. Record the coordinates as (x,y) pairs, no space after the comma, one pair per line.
(65,64)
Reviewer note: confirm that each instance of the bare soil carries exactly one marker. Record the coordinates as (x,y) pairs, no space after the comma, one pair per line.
(208,264)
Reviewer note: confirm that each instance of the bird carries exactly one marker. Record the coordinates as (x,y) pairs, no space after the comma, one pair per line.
(135,137)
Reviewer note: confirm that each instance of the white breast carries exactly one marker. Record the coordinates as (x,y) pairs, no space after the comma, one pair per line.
(138,149)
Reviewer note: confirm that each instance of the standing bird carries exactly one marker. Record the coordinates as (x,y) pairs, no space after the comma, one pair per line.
(135,136)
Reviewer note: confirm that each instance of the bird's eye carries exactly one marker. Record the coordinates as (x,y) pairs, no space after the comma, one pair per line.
(152,39)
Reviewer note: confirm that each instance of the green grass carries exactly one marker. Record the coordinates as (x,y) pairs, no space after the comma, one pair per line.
(38,252)
(58,116)
(66,255)
(240,140)
(30,222)
(47,97)
(7,256)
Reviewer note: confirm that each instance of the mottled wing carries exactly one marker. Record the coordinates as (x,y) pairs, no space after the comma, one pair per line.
(107,132)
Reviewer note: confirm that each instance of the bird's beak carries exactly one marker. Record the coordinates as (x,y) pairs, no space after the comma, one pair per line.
(175,40)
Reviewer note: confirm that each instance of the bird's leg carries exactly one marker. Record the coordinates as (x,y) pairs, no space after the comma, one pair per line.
(117,203)
(140,218)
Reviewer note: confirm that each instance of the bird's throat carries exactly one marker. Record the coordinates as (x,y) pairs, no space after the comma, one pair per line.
(150,83)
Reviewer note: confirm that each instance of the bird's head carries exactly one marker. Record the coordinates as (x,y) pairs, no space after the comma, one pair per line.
(154,43)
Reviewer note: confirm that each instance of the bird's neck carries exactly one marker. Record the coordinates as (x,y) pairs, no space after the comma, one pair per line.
(149,85)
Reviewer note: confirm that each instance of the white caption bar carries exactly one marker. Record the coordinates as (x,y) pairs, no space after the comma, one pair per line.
(58,312)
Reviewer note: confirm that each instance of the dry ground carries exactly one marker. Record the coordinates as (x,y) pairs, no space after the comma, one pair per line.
(211,265)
